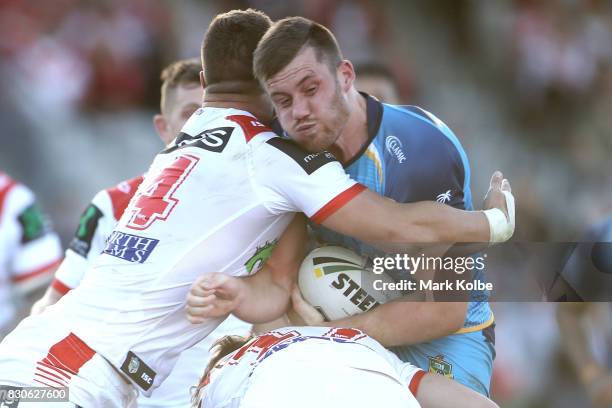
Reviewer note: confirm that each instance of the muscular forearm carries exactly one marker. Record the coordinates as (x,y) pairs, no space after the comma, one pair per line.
(399,227)
(404,323)
(433,222)
(262,300)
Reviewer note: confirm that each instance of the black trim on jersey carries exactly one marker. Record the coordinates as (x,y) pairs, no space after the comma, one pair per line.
(88,224)
(213,140)
(374,114)
(310,162)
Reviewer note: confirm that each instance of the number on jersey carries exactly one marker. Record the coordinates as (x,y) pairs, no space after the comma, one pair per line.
(155,201)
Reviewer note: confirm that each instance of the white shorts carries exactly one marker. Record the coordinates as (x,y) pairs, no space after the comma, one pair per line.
(60,359)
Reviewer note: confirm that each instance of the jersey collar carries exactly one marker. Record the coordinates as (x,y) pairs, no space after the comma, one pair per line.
(374,113)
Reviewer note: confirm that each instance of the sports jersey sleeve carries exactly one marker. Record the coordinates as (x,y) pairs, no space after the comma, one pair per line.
(294,180)
(95,225)
(37,249)
(436,167)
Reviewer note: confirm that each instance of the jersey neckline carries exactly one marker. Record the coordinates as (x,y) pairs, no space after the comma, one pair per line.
(374,113)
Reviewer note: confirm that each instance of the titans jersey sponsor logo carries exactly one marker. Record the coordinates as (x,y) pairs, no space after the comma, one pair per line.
(131,248)
(394,147)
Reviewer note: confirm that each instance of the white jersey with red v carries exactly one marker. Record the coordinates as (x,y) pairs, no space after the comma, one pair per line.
(227,187)
(324,347)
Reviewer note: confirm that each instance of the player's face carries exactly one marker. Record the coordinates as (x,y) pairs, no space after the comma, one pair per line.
(181,105)
(309,101)
(378,86)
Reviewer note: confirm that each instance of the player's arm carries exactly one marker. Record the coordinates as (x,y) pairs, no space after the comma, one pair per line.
(318,186)
(389,225)
(37,249)
(85,246)
(260,297)
(437,391)
(396,323)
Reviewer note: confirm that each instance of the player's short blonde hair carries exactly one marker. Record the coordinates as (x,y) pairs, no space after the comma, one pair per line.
(179,73)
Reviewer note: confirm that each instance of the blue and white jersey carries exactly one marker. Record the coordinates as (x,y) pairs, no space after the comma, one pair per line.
(413,156)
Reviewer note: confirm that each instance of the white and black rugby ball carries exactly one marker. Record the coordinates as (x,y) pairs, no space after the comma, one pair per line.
(334,280)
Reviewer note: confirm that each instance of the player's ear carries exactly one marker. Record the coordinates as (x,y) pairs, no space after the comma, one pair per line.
(346,75)
(202,80)
(161,126)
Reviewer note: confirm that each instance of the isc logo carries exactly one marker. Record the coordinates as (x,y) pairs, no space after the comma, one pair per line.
(145,377)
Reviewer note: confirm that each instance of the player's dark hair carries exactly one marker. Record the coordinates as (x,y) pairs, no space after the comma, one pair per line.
(229,42)
(220,348)
(286,38)
(183,72)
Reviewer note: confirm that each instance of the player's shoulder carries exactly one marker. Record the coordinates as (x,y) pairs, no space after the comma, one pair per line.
(118,196)
(289,151)
(405,119)
(14,195)
(415,126)
(212,128)
(6,185)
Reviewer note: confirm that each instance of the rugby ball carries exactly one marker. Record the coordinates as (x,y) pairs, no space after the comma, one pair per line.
(334,280)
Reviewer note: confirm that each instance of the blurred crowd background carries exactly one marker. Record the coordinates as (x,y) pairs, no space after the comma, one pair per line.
(526,86)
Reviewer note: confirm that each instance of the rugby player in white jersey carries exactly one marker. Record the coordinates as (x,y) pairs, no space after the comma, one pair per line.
(322,367)
(225,189)
(181,95)
(29,250)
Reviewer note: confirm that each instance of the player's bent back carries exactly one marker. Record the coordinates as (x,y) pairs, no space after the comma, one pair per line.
(207,204)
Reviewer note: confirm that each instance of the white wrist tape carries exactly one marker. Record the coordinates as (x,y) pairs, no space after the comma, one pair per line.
(501,228)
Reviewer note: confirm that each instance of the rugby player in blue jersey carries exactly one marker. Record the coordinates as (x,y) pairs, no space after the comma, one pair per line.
(402,152)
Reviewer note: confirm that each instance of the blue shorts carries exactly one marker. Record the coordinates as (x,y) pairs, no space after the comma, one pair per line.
(466,357)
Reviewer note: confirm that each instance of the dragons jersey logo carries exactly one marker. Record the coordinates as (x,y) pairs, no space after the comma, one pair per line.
(261,255)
